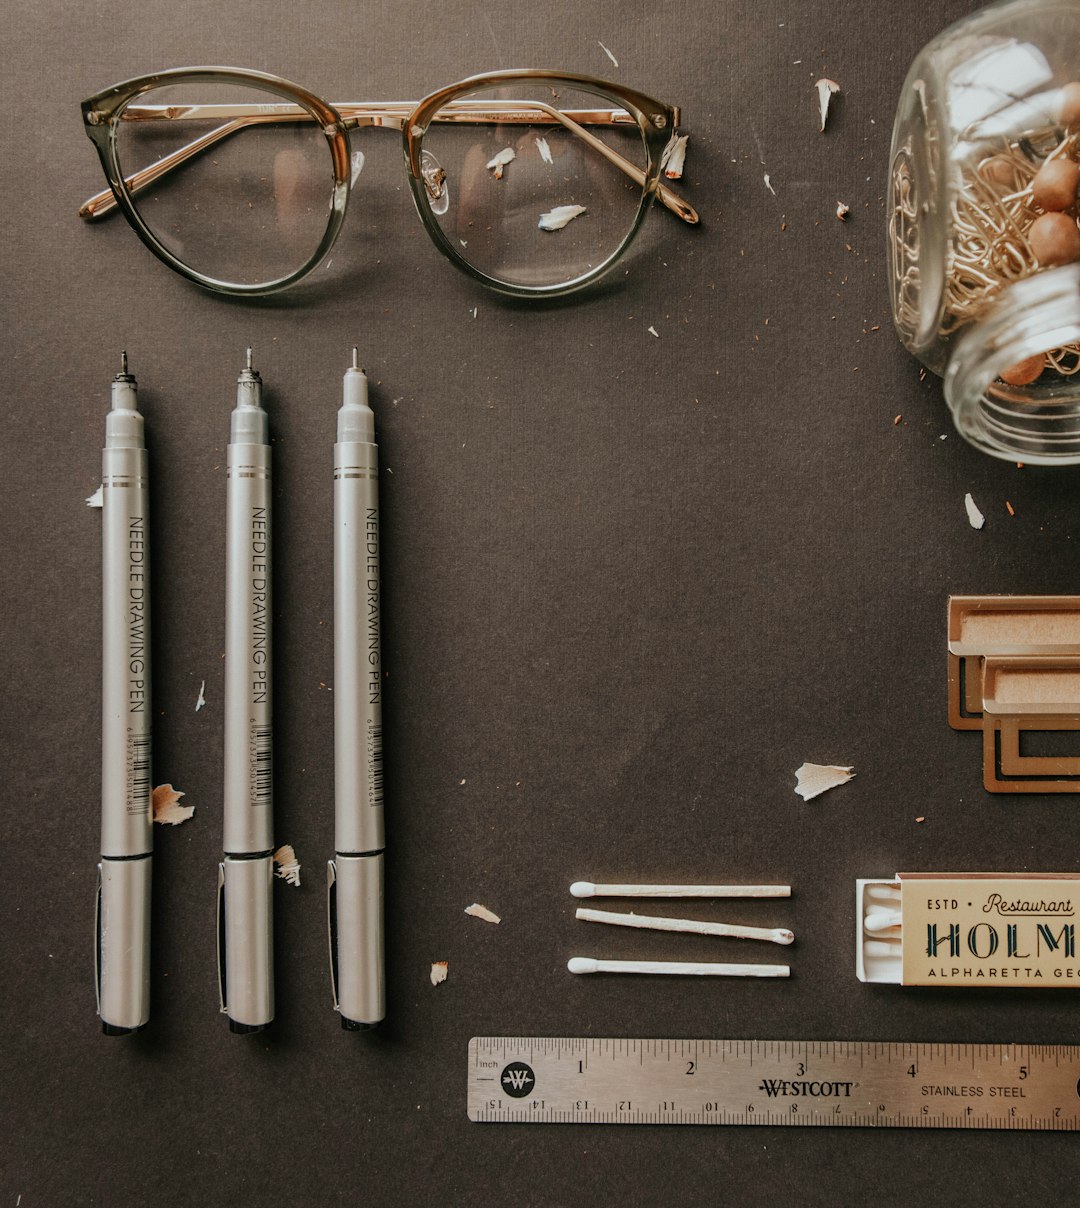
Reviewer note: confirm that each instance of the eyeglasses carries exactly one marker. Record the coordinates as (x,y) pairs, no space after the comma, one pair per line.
(532,182)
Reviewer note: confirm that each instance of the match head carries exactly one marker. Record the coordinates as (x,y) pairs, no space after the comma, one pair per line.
(583,889)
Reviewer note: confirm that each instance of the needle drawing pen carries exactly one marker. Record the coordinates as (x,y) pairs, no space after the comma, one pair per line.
(355,875)
(123,903)
(245,907)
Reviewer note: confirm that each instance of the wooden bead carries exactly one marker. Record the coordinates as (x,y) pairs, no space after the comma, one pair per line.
(1069,111)
(1023,373)
(1054,239)
(1055,184)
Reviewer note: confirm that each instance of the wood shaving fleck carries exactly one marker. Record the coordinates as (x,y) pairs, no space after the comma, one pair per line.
(975,518)
(768,184)
(200,703)
(167,811)
(556,219)
(482,912)
(545,150)
(842,211)
(498,162)
(825,91)
(921,818)
(96,500)
(607,52)
(288,866)
(1009,507)
(654,332)
(897,419)
(440,970)
(676,160)
(813,779)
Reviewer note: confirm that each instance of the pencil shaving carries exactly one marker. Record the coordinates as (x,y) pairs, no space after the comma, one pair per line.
(167,810)
(545,150)
(200,703)
(481,912)
(975,518)
(676,160)
(288,867)
(608,53)
(813,779)
(842,211)
(556,219)
(826,90)
(440,971)
(97,499)
(498,162)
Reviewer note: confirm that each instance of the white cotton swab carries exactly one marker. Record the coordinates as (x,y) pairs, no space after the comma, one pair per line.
(774,935)
(587,889)
(587,964)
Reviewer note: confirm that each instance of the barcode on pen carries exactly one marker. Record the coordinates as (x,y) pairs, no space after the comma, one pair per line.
(139,777)
(375,766)
(262,744)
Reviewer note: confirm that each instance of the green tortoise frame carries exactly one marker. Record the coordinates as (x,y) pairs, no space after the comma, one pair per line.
(534,183)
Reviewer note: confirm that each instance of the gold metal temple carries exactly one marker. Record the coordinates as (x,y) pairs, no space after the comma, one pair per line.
(379,114)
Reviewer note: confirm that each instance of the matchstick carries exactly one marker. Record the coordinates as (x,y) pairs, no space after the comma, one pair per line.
(586,889)
(587,964)
(774,935)
(881,920)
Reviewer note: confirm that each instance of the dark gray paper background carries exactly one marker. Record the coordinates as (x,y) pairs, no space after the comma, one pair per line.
(631,582)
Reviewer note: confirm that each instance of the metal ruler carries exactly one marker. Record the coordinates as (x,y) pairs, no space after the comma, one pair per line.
(540,1080)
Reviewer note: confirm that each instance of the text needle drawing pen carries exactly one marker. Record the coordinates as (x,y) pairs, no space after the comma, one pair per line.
(123,907)
(245,908)
(355,875)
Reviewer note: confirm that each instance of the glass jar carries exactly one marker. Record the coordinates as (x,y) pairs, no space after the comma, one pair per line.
(984,242)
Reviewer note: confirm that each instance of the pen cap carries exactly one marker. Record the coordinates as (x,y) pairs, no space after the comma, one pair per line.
(245,930)
(356,935)
(123,944)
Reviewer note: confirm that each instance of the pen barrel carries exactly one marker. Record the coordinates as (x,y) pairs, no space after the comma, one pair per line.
(249,794)
(358,756)
(126,817)
(356,929)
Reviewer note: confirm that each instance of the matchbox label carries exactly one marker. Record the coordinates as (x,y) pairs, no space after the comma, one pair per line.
(990,930)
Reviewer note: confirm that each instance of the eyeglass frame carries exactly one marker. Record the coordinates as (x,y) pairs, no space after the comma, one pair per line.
(656,122)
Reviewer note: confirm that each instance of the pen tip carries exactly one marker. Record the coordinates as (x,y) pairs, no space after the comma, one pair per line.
(248,365)
(123,362)
(355,357)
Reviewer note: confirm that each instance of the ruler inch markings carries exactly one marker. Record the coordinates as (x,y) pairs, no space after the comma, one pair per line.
(779,1083)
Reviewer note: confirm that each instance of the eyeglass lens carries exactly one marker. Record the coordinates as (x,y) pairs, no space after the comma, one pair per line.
(253,205)
(532,202)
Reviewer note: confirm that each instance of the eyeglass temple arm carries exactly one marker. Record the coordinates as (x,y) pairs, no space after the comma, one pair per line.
(671,201)
(104,203)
